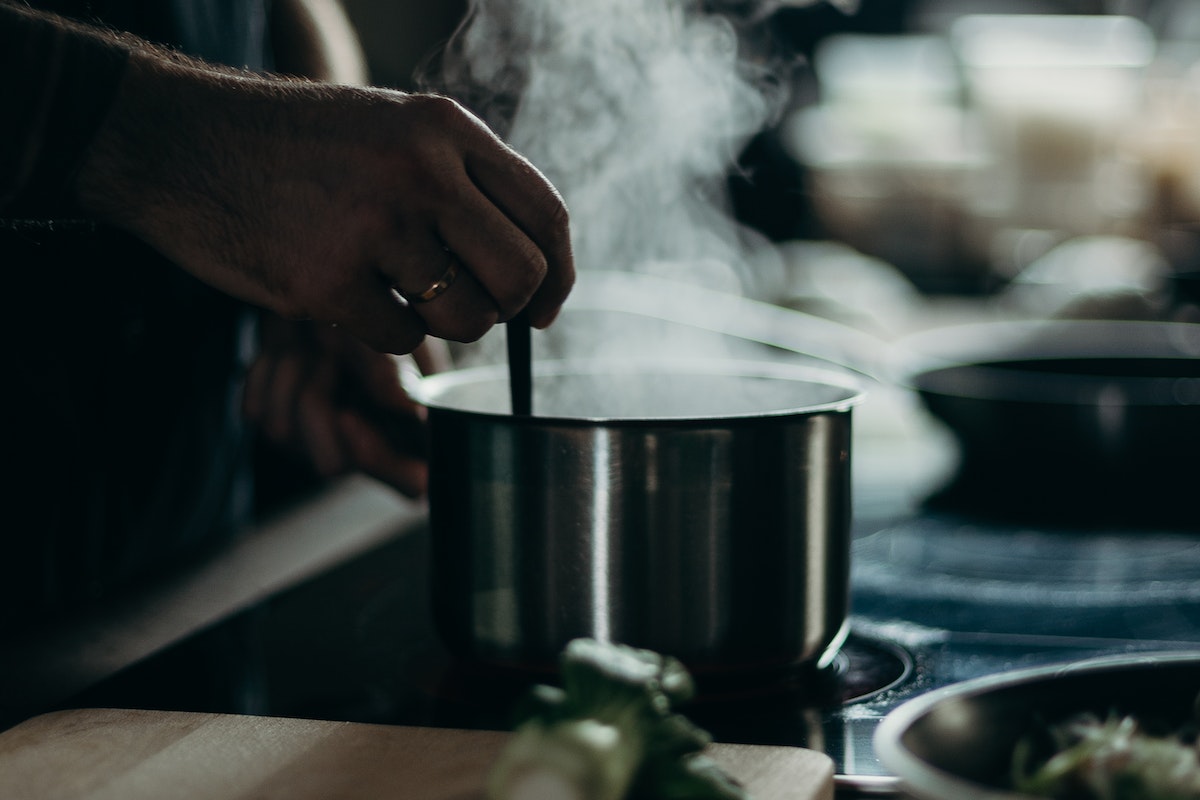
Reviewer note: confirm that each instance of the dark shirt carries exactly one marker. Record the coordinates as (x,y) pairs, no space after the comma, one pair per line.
(68,82)
(231,32)
(65,85)
(122,372)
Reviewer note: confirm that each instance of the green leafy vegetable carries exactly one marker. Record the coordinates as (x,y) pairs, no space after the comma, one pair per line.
(1110,759)
(610,733)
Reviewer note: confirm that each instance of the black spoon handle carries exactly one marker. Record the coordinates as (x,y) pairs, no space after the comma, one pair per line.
(520,365)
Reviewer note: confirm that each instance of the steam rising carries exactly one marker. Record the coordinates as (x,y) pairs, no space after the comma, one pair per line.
(636,110)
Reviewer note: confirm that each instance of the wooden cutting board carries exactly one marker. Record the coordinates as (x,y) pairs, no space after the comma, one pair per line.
(130,755)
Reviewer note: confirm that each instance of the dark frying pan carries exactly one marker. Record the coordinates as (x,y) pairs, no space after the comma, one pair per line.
(1078,421)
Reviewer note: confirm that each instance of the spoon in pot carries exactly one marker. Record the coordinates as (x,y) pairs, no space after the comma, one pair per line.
(520,365)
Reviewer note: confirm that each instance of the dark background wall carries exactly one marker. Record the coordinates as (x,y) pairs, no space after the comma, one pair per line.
(399,34)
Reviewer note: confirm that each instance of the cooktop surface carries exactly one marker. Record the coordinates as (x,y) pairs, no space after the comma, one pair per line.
(937,599)
(938,596)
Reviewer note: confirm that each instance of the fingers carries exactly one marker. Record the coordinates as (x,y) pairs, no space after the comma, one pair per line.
(458,233)
(336,440)
(508,265)
(490,269)
(442,290)
(316,416)
(503,219)
(377,316)
(288,396)
(321,394)
(268,400)
(374,456)
(534,206)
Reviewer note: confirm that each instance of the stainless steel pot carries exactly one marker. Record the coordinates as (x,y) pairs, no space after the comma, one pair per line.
(698,509)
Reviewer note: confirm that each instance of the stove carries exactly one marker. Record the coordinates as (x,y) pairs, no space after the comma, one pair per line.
(940,599)
(938,596)
(937,600)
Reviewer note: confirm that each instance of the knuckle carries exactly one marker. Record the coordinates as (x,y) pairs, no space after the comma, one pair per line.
(472,329)
(553,213)
(439,110)
(558,214)
(531,268)
(320,295)
(527,272)
(400,344)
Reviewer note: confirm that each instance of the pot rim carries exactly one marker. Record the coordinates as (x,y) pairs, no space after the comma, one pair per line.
(427,390)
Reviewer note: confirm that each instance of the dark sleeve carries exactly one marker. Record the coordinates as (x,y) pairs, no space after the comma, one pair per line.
(56,83)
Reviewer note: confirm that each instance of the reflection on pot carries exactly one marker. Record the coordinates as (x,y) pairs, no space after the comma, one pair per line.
(717,532)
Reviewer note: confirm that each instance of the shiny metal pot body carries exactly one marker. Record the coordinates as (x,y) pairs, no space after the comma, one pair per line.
(720,539)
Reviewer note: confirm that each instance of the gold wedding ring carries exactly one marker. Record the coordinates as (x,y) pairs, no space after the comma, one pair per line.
(440,285)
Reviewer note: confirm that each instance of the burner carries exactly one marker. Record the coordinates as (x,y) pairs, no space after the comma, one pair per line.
(861,668)
(871,668)
(791,709)
(462,694)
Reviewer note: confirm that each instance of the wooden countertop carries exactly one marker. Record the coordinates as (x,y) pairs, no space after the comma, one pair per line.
(134,755)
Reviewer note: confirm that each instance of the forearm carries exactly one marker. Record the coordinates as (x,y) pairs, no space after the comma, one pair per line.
(57,79)
(209,165)
(184,146)
(321,201)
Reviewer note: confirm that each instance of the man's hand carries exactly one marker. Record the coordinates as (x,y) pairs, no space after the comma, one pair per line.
(316,391)
(330,202)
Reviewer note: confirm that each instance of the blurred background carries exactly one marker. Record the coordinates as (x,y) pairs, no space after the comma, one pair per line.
(892,167)
(400,36)
(1038,154)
